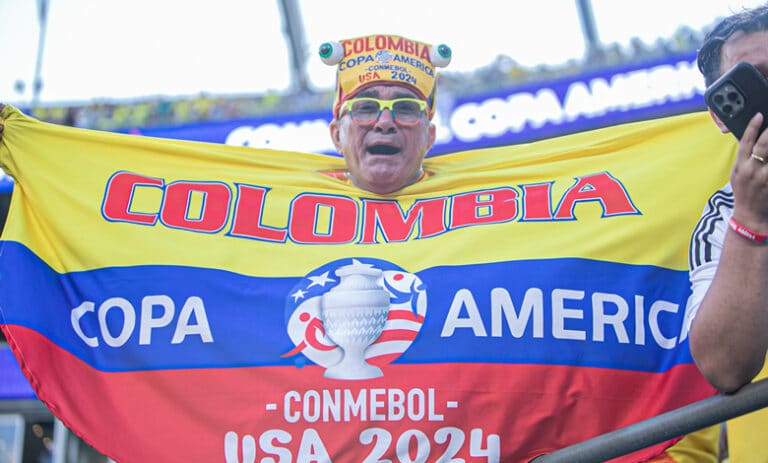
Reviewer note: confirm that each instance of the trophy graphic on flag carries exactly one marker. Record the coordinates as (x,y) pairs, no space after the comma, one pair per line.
(354,313)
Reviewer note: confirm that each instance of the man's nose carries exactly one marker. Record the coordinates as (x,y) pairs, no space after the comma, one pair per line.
(385,122)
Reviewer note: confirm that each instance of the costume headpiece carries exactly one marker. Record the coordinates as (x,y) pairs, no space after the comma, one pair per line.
(376,59)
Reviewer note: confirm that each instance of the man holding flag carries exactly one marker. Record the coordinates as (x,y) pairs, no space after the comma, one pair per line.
(212,301)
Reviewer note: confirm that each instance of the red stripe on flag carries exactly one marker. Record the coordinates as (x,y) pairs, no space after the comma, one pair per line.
(184,415)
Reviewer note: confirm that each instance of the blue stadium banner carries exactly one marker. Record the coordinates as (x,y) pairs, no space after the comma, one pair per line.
(521,114)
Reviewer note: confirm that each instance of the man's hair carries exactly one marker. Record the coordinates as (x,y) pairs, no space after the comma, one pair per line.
(747,21)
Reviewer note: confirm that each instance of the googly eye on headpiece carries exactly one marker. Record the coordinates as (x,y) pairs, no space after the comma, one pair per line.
(331,53)
(440,55)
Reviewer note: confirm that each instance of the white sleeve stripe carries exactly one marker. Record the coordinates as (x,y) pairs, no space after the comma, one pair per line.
(700,249)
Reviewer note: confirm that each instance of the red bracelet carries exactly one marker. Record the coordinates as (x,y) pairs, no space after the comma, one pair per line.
(745,232)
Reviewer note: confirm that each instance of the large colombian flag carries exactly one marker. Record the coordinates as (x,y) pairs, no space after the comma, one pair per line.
(185,302)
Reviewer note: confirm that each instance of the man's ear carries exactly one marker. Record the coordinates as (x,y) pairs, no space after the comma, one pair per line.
(718,122)
(432,136)
(336,134)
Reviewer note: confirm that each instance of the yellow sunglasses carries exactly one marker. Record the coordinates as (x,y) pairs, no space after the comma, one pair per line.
(366,111)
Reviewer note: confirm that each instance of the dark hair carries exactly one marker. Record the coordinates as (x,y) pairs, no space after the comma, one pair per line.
(747,21)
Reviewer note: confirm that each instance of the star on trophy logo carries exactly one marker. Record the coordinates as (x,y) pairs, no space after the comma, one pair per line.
(354,316)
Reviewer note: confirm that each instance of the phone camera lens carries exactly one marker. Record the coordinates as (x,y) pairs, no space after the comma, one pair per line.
(733,97)
(719,99)
(728,109)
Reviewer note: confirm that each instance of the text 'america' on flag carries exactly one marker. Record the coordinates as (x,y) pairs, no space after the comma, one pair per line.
(178,301)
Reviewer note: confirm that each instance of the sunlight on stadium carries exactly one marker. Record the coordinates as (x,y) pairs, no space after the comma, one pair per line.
(527,83)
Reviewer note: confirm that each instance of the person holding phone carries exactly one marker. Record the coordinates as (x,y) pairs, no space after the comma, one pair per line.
(729,254)
(728,307)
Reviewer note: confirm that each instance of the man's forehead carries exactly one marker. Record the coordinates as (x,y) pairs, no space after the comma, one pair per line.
(388,91)
(744,46)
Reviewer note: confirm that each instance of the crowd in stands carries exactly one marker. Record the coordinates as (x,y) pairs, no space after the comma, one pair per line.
(504,72)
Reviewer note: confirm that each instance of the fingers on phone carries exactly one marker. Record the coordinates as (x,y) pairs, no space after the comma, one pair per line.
(751,132)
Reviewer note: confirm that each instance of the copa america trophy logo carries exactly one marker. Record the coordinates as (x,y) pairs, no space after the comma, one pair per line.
(354,313)
(354,316)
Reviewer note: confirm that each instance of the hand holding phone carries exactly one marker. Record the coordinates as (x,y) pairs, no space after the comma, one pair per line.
(737,96)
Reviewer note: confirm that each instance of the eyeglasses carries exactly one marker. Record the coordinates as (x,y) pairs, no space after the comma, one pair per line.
(404,111)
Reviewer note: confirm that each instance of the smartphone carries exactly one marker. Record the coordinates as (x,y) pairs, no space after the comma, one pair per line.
(738,95)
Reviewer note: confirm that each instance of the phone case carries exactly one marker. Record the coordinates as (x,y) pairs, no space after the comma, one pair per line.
(737,96)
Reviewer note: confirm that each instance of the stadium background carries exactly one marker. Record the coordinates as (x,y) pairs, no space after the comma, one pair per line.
(26,424)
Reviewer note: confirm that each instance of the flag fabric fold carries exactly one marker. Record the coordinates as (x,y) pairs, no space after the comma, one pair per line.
(180,301)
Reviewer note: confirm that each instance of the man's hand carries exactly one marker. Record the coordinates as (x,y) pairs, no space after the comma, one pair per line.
(749,178)
(728,336)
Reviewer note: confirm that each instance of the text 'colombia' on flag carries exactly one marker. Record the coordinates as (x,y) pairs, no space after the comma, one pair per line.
(178,301)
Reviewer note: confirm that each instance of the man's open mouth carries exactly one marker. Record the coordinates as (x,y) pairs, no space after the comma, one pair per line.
(383,149)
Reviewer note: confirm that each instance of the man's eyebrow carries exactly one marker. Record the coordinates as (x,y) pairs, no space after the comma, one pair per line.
(368,94)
